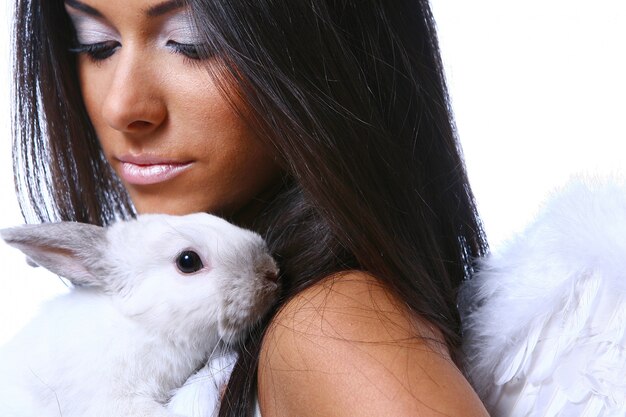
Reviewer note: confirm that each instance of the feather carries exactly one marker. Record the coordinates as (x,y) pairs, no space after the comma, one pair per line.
(545,320)
(200,395)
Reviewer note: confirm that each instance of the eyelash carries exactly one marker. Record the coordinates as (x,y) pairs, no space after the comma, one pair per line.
(96,51)
(188,50)
(102,50)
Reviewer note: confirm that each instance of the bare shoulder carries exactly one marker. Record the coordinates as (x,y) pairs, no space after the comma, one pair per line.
(348,347)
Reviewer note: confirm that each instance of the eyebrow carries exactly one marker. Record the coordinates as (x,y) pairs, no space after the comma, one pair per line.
(153,11)
(75,4)
(165,7)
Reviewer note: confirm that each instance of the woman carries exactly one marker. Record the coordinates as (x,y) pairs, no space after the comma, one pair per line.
(323,125)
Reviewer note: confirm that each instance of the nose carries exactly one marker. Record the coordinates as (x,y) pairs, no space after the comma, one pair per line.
(271,276)
(134,102)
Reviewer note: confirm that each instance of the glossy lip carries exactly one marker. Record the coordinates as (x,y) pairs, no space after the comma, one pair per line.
(147,169)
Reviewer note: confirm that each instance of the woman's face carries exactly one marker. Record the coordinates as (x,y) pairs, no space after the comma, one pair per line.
(174,141)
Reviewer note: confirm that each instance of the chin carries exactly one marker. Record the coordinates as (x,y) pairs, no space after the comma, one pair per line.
(165,205)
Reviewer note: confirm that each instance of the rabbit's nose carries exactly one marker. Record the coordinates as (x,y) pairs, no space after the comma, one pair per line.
(271,276)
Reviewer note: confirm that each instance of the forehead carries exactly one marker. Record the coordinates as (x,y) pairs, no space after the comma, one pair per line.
(146,8)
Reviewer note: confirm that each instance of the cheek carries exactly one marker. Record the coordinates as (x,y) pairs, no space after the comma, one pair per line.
(237,169)
(237,164)
(94,80)
(94,84)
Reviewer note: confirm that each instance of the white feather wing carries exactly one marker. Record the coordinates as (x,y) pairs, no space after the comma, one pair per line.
(545,321)
(200,395)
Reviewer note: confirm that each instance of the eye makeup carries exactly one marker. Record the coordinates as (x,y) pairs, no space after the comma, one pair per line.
(179,28)
(100,40)
(91,30)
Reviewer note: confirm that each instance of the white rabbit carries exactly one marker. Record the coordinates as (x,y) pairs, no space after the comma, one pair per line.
(153,298)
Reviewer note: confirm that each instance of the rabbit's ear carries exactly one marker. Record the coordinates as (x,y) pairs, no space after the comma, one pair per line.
(73,250)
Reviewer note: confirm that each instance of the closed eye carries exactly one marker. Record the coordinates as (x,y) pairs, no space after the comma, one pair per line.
(98,51)
(102,50)
(189,50)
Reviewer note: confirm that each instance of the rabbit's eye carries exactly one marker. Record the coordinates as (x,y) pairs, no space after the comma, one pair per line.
(189,262)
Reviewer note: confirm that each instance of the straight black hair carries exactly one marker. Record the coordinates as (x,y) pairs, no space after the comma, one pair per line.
(350,95)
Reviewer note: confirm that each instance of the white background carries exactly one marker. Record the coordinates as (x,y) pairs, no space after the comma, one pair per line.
(538,88)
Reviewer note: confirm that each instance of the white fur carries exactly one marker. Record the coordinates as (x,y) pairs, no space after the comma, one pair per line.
(134,328)
(545,321)
(200,395)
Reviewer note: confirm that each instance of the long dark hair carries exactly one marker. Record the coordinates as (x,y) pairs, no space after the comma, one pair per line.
(351,96)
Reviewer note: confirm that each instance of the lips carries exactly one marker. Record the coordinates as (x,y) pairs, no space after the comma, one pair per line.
(145,170)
